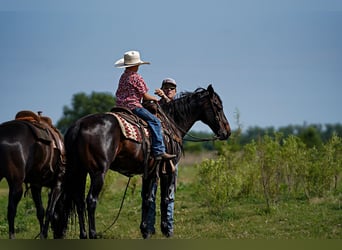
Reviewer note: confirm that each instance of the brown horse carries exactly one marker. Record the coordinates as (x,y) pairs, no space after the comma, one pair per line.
(29,154)
(96,143)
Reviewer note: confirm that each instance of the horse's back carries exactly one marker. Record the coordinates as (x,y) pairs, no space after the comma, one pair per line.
(92,133)
(14,134)
(96,142)
(91,126)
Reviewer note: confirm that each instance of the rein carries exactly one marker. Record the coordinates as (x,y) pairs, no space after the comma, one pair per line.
(121,205)
(194,138)
(198,139)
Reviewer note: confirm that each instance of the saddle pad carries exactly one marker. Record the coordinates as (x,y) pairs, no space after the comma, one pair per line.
(131,130)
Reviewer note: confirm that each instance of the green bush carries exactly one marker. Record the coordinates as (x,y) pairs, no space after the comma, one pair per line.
(272,168)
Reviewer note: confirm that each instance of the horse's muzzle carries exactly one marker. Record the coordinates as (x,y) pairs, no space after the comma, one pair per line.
(225,134)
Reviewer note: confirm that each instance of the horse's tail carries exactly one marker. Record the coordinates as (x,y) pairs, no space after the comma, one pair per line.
(70,140)
(66,205)
(71,135)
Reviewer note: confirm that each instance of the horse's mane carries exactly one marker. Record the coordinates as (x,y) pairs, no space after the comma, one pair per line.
(188,94)
(180,106)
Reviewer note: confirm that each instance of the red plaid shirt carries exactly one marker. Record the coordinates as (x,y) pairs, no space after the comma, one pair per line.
(131,89)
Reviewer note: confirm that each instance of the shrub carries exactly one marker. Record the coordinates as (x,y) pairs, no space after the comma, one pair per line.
(271,168)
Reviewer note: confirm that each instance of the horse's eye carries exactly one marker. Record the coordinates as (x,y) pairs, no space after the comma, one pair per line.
(218,104)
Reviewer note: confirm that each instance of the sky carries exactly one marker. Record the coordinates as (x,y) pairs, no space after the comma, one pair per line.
(272,62)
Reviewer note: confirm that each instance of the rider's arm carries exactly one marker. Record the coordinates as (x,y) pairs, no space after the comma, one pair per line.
(148,97)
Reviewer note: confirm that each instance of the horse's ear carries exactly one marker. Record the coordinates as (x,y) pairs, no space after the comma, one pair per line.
(211,90)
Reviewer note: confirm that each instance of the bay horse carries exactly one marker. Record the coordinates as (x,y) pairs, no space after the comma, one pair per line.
(95,143)
(30,154)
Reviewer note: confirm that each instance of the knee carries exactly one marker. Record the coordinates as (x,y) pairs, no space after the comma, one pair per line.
(154,120)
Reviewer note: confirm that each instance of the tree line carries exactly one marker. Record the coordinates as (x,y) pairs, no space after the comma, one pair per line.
(313,135)
(83,104)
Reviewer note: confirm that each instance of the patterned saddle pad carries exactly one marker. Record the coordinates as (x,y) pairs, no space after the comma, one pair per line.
(130,129)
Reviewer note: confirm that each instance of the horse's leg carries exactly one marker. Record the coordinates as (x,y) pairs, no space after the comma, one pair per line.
(37,198)
(97,181)
(48,216)
(167,199)
(54,195)
(148,206)
(14,196)
(79,192)
(80,204)
(96,185)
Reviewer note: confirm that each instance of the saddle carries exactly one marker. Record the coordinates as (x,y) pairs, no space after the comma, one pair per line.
(132,127)
(43,130)
(135,128)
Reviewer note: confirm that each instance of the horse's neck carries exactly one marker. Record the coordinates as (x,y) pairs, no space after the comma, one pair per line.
(185,118)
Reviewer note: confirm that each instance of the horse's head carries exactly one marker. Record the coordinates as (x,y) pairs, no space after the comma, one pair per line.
(214,115)
(202,105)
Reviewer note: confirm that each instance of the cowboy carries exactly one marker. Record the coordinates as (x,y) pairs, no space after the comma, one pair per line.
(132,89)
(167,92)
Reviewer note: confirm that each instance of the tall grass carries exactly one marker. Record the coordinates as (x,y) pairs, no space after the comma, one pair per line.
(273,169)
(272,189)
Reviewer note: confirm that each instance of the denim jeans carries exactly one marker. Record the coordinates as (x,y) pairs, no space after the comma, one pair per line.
(158,146)
(166,205)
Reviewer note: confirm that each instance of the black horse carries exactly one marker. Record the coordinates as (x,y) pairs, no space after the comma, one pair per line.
(96,143)
(31,153)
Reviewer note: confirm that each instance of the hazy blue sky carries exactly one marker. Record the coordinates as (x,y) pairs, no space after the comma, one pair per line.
(277,62)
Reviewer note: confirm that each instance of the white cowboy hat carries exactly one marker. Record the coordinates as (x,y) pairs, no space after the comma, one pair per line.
(131,58)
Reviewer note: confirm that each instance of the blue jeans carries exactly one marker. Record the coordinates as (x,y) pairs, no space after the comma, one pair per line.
(166,204)
(158,146)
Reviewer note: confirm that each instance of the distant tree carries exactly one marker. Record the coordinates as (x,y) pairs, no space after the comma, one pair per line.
(311,136)
(330,130)
(255,133)
(82,105)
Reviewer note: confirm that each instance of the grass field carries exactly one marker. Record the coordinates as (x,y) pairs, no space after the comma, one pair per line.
(318,218)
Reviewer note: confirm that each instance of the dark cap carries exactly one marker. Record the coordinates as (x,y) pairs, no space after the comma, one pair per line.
(169,81)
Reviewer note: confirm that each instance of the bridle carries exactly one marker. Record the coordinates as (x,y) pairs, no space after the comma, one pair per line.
(199,139)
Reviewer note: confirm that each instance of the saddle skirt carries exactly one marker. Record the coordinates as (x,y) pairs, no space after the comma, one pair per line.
(42,128)
(131,129)
(45,132)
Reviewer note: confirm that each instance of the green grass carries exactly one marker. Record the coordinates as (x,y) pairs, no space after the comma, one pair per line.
(241,219)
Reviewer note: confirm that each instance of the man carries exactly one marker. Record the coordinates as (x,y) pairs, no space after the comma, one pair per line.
(167,92)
